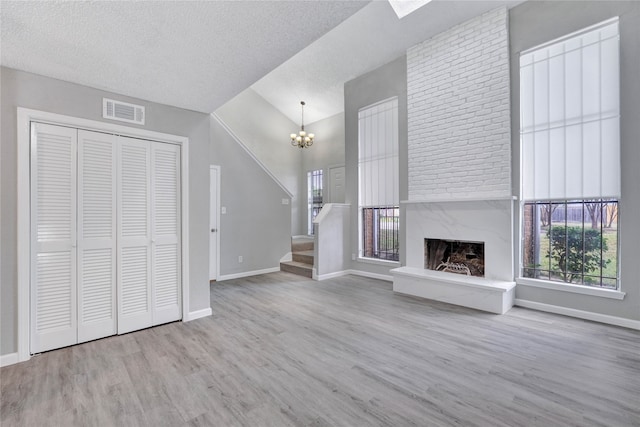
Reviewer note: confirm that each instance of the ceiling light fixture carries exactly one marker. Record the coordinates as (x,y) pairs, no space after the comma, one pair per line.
(302,139)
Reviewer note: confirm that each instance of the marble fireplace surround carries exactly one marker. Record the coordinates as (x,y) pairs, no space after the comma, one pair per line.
(488,221)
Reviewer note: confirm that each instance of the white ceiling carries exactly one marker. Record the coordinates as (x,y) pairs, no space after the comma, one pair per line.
(194,55)
(198,55)
(368,39)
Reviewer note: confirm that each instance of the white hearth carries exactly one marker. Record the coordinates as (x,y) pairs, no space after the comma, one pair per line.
(488,221)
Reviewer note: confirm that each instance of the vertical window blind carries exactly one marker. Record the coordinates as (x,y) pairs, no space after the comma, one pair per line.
(378,154)
(569,116)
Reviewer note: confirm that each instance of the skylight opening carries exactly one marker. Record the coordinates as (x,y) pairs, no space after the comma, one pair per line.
(403,8)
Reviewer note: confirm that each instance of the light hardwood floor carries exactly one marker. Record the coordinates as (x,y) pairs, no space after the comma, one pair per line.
(283,350)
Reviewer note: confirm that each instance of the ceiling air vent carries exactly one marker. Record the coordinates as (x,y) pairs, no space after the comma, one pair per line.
(122,111)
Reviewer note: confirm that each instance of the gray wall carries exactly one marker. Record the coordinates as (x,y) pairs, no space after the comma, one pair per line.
(20,89)
(533,23)
(257,225)
(265,131)
(377,85)
(327,151)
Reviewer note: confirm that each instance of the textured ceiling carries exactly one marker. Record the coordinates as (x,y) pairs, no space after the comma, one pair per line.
(370,38)
(194,55)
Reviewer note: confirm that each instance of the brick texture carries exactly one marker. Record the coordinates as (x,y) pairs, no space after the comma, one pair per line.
(459,112)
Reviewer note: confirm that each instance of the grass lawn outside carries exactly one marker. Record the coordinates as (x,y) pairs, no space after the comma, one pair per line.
(549,270)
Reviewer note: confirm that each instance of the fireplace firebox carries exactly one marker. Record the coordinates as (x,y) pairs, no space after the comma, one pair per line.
(454,256)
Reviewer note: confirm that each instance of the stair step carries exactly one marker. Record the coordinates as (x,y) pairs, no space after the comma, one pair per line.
(299,268)
(299,244)
(305,257)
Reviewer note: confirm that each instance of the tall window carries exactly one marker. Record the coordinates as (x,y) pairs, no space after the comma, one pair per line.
(379,180)
(570,157)
(314,196)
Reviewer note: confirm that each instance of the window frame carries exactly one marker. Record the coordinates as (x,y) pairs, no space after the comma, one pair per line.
(362,206)
(578,288)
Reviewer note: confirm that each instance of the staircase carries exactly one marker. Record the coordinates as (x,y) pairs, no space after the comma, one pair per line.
(302,254)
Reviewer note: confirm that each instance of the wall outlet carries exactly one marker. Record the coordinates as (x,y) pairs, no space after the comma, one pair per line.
(223,210)
(353,257)
(240,259)
(285,201)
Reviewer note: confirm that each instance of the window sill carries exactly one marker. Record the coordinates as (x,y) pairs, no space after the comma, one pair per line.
(378,262)
(576,289)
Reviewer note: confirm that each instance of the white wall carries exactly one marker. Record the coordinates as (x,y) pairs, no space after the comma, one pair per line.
(264,130)
(382,83)
(458,111)
(327,151)
(533,23)
(256,226)
(20,89)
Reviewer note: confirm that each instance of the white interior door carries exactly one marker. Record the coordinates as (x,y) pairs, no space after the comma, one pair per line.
(134,235)
(165,233)
(53,237)
(96,235)
(336,184)
(214,195)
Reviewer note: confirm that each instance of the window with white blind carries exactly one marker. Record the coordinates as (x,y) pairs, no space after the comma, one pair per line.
(570,157)
(378,176)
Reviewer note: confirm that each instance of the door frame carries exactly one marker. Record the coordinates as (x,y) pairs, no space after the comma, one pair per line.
(25,117)
(216,168)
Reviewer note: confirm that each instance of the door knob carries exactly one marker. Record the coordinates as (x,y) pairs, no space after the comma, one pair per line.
(213,230)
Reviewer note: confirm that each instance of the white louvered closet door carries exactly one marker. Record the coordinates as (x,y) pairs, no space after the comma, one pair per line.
(96,235)
(53,237)
(134,235)
(165,234)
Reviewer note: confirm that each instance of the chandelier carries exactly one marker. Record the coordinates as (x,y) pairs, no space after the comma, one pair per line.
(302,139)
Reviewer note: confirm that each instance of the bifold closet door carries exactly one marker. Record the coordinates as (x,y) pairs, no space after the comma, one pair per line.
(53,237)
(134,234)
(96,235)
(165,233)
(149,256)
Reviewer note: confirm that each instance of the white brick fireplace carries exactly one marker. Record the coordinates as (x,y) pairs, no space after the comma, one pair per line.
(460,161)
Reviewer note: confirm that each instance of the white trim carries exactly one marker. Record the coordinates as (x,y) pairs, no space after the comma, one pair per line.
(216,167)
(198,314)
(576,289)
(25,117)
(458,200)
(361,273)
(329,275)
(250,153)
(248,273)
(580,314)
(370,275)
(9,359)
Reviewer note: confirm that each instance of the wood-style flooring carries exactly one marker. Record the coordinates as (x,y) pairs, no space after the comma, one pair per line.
(283,350)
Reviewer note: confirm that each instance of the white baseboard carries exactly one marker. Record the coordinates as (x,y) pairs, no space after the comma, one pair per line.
(248,273)
(8,359)
(326,276)
(581,314)
(193,315)
(385,277)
